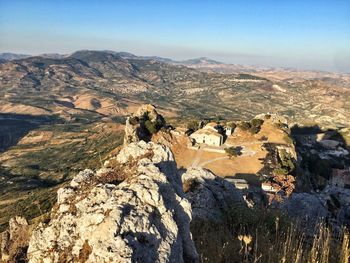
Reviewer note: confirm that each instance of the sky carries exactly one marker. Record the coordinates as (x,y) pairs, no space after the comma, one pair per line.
(304,34)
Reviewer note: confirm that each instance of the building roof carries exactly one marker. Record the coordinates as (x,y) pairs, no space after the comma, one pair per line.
(270,187)
(211,124)
(207,132)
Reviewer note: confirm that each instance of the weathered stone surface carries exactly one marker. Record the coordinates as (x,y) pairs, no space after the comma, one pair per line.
(209,195)
(135,128)
(4,245)
(131,132)
(338,203)
(307,208)
(146,218)
(14,241)
(18,226)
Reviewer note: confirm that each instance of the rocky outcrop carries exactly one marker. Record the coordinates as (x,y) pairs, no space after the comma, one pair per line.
(209,195)
(144,218)
(307,209)
(14,241)
(142,124)
(131,131)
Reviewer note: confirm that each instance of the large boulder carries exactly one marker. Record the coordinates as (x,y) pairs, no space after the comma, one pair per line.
(145,218)
(308,209)
(210,195)
(137,126)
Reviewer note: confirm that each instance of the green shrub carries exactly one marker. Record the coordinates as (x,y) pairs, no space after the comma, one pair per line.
(254,130)
(231,125)
(233,151)
(255,126)
(244,125)
(280,171)
(256,122)
(286,160)
(151,126)
(193,125)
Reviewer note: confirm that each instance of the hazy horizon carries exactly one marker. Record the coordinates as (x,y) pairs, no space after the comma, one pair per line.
(313,35)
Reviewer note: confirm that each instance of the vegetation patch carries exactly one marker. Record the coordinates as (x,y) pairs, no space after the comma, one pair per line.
(193,125)
(253,126)
(233,151)
(190,185)
(262,235)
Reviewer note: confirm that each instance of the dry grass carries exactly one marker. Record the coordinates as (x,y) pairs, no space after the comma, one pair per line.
(17,246)
(262,236)
(345,251)
(189,185)
(121,172)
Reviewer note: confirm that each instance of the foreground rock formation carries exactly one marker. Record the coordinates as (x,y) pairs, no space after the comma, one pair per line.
(14,241)
(145,218)
(209,195)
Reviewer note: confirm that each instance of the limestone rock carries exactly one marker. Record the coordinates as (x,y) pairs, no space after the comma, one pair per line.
(5,243)
(275,118)
(146,218)
(14,241)
(135,129)
(18,225)
(307,208)
(131,132)
(209,194)
(149,109)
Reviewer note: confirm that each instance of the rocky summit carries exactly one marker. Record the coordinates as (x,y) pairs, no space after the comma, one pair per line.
(133,211)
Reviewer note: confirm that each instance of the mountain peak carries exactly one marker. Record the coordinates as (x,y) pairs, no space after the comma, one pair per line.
(201,60)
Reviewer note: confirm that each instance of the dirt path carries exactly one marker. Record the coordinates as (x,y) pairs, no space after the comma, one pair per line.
(212,160)
(197,158)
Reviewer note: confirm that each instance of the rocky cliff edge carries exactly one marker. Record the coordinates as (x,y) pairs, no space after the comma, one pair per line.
(132,210)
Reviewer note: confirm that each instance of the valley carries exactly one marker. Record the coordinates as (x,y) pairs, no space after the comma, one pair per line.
(61,114)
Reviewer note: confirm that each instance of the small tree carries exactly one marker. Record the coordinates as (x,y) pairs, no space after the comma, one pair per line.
(151,127)
(233,151)
(231,125)
(193,125)
(255,125)
(244,126)
(256,122)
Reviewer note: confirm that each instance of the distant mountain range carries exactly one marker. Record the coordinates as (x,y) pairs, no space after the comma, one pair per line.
(202,63)
(12,56)
(107,83)
(15,56)
(125,55)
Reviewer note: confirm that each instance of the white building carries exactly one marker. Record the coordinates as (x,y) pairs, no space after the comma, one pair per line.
(208,135)
(238,183)
(270,187)
(229,131)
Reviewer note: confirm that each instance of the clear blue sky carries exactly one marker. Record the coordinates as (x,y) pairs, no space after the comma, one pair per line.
(301,33)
